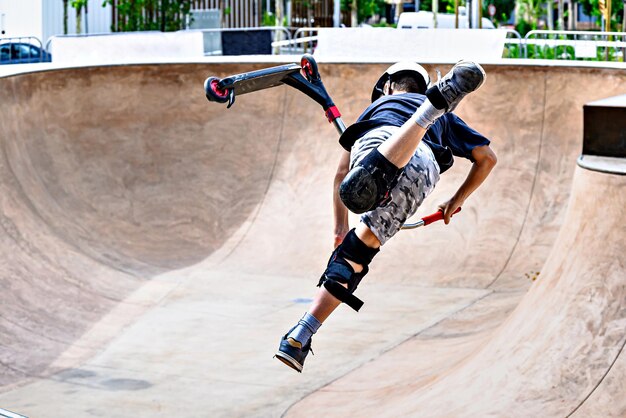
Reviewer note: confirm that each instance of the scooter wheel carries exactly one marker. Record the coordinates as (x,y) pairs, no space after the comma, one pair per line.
(309,67)
(213,91)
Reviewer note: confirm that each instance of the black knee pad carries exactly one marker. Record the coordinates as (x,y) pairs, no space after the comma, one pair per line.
(367,185)
(340,271)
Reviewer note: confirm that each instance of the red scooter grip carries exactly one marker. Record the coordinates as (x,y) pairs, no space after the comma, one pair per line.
(437,216)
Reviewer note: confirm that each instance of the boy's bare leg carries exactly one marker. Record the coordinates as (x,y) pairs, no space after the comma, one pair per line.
(368,184)
(324,303)
(296,344)
(400,147)
(444,97)
(349,262)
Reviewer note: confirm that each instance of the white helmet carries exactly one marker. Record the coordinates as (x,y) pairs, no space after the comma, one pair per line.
(404,66)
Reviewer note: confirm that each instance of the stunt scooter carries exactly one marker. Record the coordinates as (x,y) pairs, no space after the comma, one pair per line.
(304,77)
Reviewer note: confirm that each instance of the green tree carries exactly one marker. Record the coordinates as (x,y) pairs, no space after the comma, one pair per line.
(592,8)
(176,13)
(137,15)
(504,10)
(364,8)
(444,6)
(79,5)
(528,13)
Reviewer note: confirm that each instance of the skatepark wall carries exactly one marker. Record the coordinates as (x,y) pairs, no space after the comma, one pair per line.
(348,44)
(424,45)
(116,181)
(126,47)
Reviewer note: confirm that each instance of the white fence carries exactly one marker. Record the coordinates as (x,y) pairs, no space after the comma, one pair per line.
(563,45)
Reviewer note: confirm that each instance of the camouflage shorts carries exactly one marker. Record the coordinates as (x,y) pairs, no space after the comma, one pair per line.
(416,182)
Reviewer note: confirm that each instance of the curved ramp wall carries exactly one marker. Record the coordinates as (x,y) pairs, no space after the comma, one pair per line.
(115,176)
(562,346)
(110,176)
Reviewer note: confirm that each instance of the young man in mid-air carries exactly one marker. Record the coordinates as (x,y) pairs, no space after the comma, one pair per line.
(394,155)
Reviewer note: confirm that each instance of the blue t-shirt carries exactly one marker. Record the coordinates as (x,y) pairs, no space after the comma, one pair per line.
(449,136)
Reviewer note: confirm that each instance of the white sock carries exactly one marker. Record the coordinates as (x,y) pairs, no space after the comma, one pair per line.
(427,114)
(305,329)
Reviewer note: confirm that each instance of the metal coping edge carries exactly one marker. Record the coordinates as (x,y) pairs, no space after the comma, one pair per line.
(607,165)
(8,414)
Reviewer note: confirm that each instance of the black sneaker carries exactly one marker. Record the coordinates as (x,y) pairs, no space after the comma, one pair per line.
(292,353)
(464,78)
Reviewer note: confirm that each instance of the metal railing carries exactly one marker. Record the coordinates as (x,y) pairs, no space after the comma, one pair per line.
(308,43)
(18,50)
(212,37)
(542,44)
(303,43)
(572,45)
(513,44)
(575,45)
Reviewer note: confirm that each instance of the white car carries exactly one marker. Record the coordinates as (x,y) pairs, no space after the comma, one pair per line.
(424,20)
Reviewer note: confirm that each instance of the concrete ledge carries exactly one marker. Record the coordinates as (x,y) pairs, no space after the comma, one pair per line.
(420,45)
(609,165)
(128,46)
(16,69)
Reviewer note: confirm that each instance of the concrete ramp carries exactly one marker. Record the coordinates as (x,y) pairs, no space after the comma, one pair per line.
(560,353)
(155,247)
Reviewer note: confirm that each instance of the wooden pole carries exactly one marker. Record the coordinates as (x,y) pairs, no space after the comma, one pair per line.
(354,15)
(624,29)
(608,24)
(64,17)
(605,9)
(456,14)
(163,7)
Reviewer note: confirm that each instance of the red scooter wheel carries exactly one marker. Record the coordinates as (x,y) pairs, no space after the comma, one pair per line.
(309,68)
(214,93)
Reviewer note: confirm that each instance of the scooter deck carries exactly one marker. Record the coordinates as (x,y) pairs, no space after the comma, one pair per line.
(258,80)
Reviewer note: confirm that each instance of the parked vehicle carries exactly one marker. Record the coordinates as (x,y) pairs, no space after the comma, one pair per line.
(22,53)
(424,20)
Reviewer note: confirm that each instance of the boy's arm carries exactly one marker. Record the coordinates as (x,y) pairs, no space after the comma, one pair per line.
(484,161)
(340,211)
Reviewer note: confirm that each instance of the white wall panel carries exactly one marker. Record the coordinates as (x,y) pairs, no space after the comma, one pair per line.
(21,17)
(98,18)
